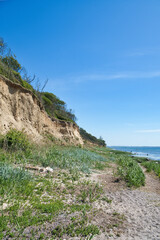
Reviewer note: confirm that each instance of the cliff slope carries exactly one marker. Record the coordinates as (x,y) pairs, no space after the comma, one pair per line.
(20,109)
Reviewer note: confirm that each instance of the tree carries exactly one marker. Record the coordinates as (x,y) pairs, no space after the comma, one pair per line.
(3,46)
(12,62)
(29,79)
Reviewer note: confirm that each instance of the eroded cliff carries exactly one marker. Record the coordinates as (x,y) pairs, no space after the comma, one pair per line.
(20,109)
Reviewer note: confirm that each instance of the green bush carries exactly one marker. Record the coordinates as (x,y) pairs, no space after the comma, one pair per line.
(26,85)
(88,137)
(15,140)
(8,73)
(130,171)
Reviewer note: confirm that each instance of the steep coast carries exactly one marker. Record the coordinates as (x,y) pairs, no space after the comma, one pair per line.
(21,109)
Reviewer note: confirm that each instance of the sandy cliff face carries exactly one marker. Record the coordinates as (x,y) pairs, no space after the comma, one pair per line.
(20,109)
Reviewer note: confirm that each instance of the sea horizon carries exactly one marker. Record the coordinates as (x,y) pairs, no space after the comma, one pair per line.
(150,152)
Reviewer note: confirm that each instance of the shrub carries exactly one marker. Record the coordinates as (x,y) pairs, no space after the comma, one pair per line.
(15,140)
(130,171)
(88,137)
(26,85)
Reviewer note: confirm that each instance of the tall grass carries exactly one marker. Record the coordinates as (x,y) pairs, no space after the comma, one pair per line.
(152,166)
(130,171)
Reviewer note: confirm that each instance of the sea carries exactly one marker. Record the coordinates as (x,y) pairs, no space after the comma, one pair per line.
(148,152)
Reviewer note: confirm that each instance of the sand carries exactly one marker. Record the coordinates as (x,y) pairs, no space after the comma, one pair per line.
(140,207)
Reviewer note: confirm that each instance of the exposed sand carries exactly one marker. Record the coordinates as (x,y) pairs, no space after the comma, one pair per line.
(141,207)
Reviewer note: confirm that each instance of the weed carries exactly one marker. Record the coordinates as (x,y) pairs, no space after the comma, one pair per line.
(76,228)
(90,193)
(51,208)
(42,236)
(106,199)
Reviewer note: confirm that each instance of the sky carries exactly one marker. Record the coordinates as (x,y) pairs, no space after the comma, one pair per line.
(101,57)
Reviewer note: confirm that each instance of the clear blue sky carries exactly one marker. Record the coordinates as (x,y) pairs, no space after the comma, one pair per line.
(102,57)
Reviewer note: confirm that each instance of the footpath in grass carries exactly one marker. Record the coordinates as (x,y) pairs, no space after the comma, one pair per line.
(62,203)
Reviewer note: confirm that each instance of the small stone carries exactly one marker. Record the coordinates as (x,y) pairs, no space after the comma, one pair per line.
(49,169)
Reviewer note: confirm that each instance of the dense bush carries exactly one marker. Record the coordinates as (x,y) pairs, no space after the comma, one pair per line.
(56,107)
(11,62)
(88,137)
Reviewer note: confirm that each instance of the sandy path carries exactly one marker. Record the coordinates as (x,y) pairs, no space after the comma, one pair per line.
(141,207)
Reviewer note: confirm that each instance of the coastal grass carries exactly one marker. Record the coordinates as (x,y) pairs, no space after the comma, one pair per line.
(34,205)
(30,202)
(69,158)
(128,168)
(130,171)
(152,166)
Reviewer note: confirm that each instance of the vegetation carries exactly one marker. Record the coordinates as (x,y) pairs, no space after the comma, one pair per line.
(35,202)
(12,69)
(150,165)
(130,171)
(128,168)
(15,140)
(34,205)
(88,137)
(55,107)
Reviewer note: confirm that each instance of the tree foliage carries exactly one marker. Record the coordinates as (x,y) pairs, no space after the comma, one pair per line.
(88,137)
(3,46)
(12,63)
(56,107)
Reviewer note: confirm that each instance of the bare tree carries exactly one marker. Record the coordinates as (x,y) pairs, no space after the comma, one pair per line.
(29,79)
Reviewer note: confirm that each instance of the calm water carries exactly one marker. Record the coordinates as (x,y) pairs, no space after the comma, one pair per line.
(149,152)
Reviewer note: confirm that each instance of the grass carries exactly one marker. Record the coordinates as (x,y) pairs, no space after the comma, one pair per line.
(76,228)
(34,200)
(130,171)
(69,158)
(34,206)
(14,180)
(152,166)
(128,168)
(45,203)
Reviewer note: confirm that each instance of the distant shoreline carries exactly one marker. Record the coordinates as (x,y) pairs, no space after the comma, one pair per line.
(151,153)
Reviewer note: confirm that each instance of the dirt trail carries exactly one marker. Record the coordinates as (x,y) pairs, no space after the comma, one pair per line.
(141,207)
